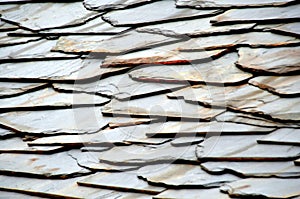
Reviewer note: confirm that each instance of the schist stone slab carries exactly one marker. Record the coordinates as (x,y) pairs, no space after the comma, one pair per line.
(48,98)
(120,181)
(64,188)
(281,169)
(221,71)
(244,98)
(165,55)
(260,15)
(121,43)
(121,87)
(149,154)
(8,89)
(156,12)
(282,136)
(95,26)
(36,16)
(193,27)
(35,50)
(159,106)
(264,187)
(58,165)
(285,86)
(16,145)
(243,148)
(276,61)
(57,70)
(89,159)
(181,175)
(51,122)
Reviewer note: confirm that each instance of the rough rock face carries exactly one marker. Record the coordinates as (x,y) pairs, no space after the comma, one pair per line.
(147,99)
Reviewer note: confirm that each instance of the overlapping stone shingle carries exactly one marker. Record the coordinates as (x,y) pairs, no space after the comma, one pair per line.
(156,12)
(270,61)
(122,43)
(36,16)
(264,187)
(260,15)
(287,86)
(221,71)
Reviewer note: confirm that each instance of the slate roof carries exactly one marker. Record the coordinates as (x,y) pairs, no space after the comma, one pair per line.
(150,99)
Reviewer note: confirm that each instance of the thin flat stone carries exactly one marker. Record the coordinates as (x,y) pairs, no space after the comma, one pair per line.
(159,11)
(121,135)
(282,136)
(270,60)
(90,160)
(120,181)
(192,194)
(37,50)
(6,40)
(297,162)
(58,70)
(243,148)
(120,86)
(251,39)
(67,121)
(244,98)
(260,15)
(159,106)
(16,145)
(47,98)
(222,71)
(286,86)
(36,16)
(124,42)
(112,4)
(264,187)
(181,176)
(172,129)
(66,188)
(286,28)
(95,26)
(192,28)
(8,89)
(165,55)
(242,118)
(231,3)
(254,169)
(41,165)
(143,155)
